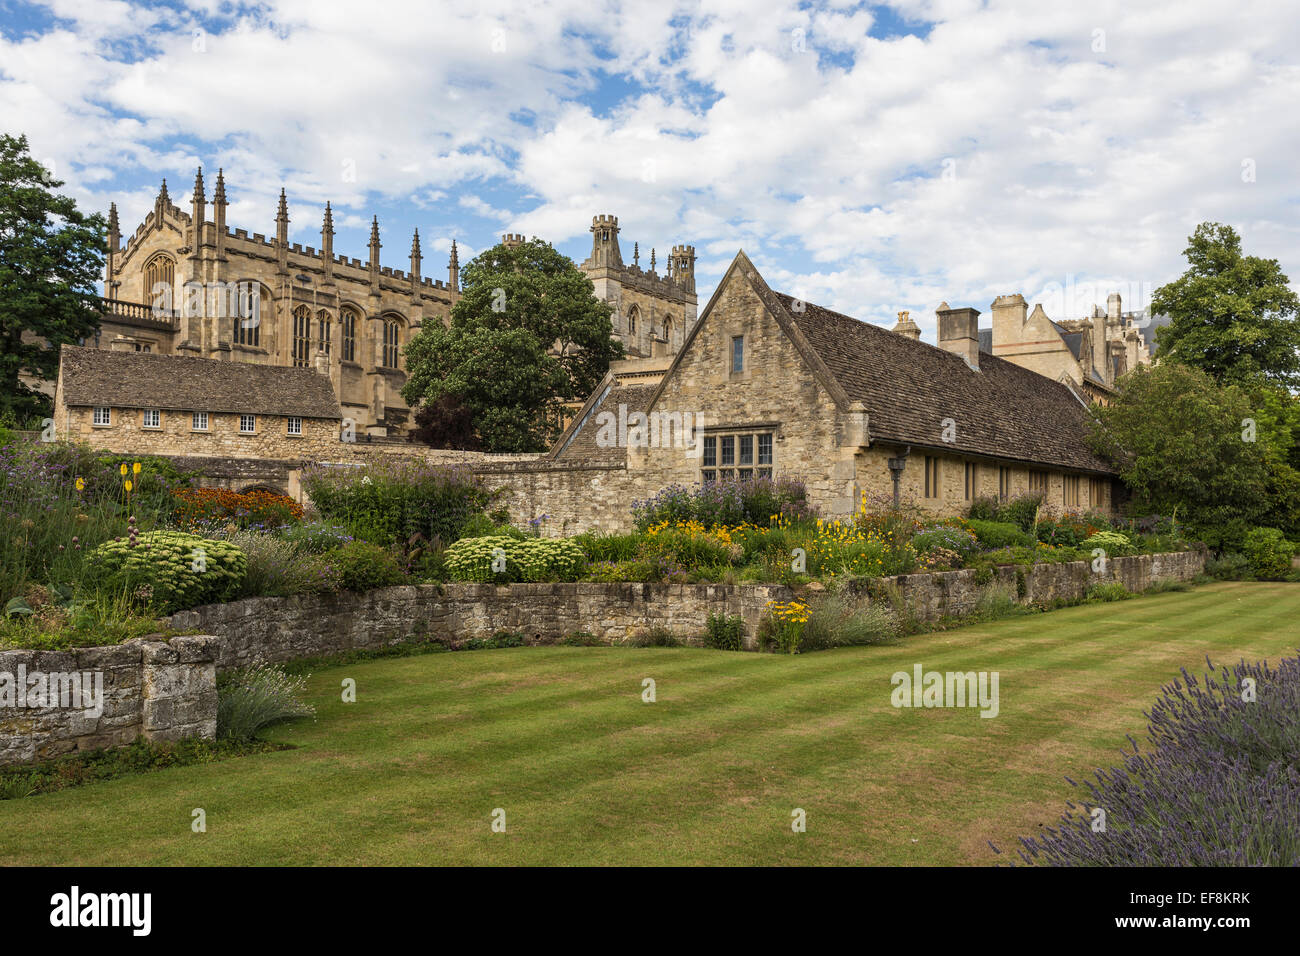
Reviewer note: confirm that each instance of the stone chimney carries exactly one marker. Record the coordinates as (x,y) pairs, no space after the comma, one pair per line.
(909,328)
(1101,341)
(959,333)
(1009,313)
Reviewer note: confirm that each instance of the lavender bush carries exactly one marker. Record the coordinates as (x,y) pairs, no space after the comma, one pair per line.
(1221,786)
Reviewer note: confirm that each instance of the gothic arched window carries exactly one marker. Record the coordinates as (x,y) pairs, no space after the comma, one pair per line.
(248,301)
(391,340)
(160,282)
(302,337)
(324,318)
(631,320)
(350,320)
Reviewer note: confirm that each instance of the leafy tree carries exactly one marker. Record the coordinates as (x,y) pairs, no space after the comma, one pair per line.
(1182,441)
(51,256)
(446,422)
(1234,316)
(527,335)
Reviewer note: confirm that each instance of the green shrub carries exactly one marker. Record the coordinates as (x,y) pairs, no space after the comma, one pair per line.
(140,756)
(726,503)
(983,509)
(315,536)
(390,499)
(946,537)
(657,636)
(526,559)
(581,639)
(59,501)
(482,525)
(1269,553)
(168,570)
(1109,591)
(279,568)
(689,550)
(836,620)
(998,534)
(724,633)
(498,640)
(93,620)
(1225,536)
(361,566)
(1229,566)
(1168,584)
(1020,511)
(255,697)
(1113,543)
(1068,531)
(608,547)
(996,603)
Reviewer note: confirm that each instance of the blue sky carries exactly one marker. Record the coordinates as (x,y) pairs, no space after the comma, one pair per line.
(871,158)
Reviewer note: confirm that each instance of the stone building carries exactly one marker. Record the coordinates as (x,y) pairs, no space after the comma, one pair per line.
(775,386)
(186,283)
(653,313)
(1091,353)
(177,405)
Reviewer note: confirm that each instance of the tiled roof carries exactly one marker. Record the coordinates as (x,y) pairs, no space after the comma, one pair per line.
(579,442)
(1147,324)
(909,387)
(181,383)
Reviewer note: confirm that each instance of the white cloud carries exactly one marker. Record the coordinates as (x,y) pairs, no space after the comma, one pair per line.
(1086,141)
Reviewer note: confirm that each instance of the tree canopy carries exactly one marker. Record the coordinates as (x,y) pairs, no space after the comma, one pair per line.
(526,336)
(1217,454)
(51,257)
(1233,316)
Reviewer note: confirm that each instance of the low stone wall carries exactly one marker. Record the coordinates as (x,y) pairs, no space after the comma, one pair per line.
(955,593)
(281,629)
(165,691)
(150,689)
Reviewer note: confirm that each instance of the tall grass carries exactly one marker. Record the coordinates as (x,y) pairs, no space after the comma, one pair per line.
(258,696)
(58,501)
(842,620)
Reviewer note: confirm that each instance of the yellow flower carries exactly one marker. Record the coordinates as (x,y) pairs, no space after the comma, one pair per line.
(127,484)
(122,468)
(135,468)
(81,484)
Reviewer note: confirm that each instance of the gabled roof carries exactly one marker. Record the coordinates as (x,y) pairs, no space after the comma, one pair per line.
(578,442)
(180,383)
(908,387)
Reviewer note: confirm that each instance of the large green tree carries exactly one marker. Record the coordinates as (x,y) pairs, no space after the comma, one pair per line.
(1214,453)
(1233,316)
(51,256)
(526,336)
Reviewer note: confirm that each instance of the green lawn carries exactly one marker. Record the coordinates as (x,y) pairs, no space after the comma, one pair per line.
(588,773)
